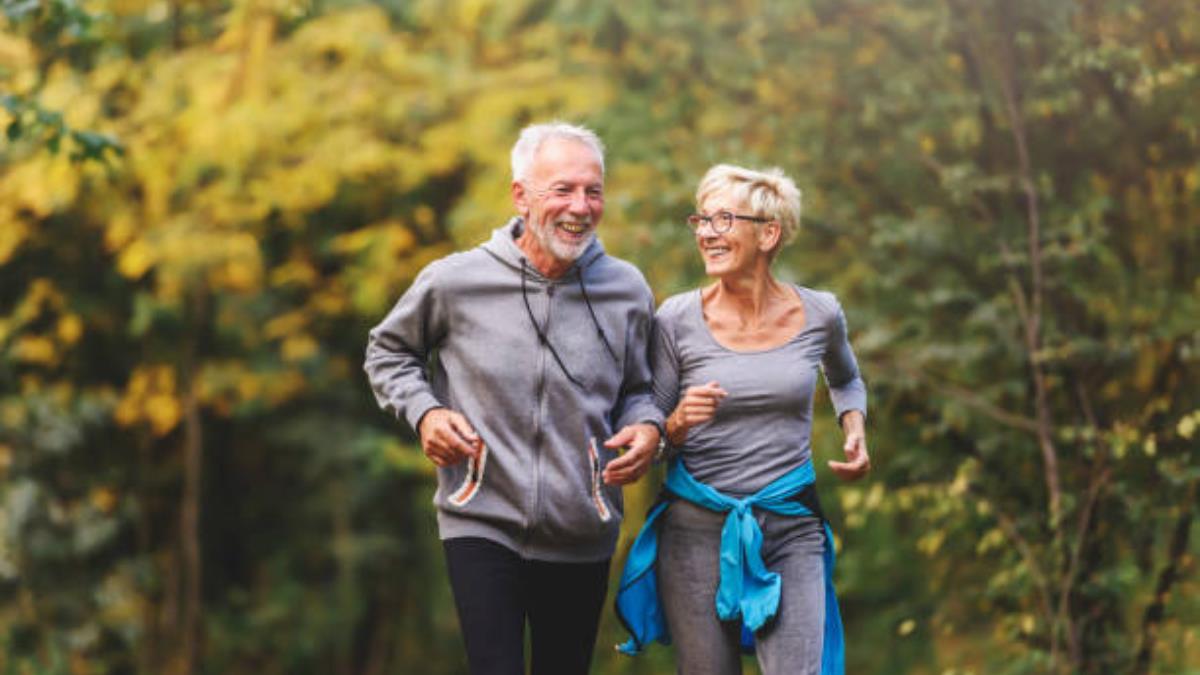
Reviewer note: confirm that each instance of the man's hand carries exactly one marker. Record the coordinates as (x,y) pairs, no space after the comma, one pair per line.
(641,444)
(858,461)
(447,438)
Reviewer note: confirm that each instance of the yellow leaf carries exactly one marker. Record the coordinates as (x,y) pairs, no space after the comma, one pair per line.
(299,272)
(126,412)
(248,387)
(423,215)
(41,186)
(163,412)
(13,233)
(930,542)
(104,499)
(851,498)
(1187,425)
(70,328)
(135,259)
(238,275)
(299,348)
(121,228)
(906,627)
(285,324)
(35,349)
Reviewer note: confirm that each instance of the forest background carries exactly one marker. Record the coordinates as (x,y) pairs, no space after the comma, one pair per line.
(205,204)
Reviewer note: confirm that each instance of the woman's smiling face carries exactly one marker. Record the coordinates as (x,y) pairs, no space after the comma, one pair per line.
(733,252)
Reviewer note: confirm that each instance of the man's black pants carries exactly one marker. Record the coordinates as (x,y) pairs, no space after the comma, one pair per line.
(495,591)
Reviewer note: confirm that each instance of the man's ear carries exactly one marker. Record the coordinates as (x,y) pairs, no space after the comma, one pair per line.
(520,197)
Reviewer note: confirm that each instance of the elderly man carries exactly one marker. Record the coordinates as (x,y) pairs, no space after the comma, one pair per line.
(522,366)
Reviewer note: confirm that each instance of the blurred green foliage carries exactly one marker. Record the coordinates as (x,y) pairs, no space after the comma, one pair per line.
(204,205)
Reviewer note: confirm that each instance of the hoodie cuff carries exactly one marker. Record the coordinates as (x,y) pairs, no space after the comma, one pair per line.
(415,411)
(642,413)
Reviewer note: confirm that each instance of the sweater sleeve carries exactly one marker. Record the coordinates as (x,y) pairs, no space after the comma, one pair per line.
(847,390)
(636,402)
(398,350)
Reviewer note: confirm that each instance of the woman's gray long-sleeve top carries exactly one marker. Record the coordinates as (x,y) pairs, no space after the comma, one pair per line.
(762,429)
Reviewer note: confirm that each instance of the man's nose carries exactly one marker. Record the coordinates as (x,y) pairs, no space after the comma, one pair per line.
(579,201)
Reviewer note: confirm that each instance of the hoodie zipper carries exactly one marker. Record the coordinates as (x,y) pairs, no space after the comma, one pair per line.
(537,504)
(538,426)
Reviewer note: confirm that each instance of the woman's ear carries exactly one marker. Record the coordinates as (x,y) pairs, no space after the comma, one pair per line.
(769,236)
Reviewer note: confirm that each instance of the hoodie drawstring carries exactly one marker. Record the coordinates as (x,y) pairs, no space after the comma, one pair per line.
(546,341)
(595,321)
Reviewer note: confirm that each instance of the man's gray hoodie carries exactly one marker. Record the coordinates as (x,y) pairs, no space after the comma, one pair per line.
(462,337)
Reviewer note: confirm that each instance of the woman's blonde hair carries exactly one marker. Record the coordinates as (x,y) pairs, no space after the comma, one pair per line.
(769,194)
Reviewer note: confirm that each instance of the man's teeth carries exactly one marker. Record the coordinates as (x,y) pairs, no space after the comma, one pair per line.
(574,228)
(716,251)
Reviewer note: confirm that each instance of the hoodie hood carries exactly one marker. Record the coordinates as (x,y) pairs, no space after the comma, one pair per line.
(503,247)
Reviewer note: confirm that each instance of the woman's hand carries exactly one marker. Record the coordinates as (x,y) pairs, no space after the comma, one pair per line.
(697,406)
(858,461)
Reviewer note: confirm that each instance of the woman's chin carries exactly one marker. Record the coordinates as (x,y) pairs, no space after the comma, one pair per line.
(717,269)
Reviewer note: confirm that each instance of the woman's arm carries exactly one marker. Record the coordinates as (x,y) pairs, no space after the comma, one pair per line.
(849,395)
(858,461)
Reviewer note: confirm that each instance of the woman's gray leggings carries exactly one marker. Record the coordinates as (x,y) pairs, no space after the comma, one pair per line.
(688,572)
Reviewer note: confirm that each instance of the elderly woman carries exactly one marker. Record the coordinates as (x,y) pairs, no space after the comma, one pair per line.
(736,554)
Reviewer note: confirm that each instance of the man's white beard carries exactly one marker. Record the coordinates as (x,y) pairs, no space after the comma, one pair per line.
(556,247)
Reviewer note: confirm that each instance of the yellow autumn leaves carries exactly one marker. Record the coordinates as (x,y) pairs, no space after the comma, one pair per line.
(41,329)
(151,397)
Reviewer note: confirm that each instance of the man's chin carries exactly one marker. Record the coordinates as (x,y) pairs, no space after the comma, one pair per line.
(570,251)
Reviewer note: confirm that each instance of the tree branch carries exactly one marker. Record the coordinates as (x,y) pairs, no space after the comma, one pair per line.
(1009,527)
(1032,332)
(1166,579)
(968,398)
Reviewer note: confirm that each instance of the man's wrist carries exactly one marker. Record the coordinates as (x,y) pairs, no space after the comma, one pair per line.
(424,416)
(660,448)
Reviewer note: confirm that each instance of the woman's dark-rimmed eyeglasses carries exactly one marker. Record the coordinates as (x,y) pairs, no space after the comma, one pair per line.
(721,221)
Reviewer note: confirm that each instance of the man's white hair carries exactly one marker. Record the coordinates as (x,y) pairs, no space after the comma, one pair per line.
(533,136)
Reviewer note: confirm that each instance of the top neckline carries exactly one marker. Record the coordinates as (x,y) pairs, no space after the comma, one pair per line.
(699,315)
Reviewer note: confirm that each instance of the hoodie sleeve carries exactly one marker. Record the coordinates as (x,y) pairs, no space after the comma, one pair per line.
(847,390)
(636,403)
(398,350)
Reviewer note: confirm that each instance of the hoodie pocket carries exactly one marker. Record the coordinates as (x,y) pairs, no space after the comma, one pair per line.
(598,501)
(472,481)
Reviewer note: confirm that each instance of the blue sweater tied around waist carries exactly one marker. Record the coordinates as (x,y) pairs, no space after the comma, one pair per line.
(747,592)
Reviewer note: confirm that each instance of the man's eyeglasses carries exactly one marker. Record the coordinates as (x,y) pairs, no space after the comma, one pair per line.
(721,221)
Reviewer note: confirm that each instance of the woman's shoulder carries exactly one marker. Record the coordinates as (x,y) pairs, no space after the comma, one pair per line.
(675,315)
(677,306)
(819,305)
